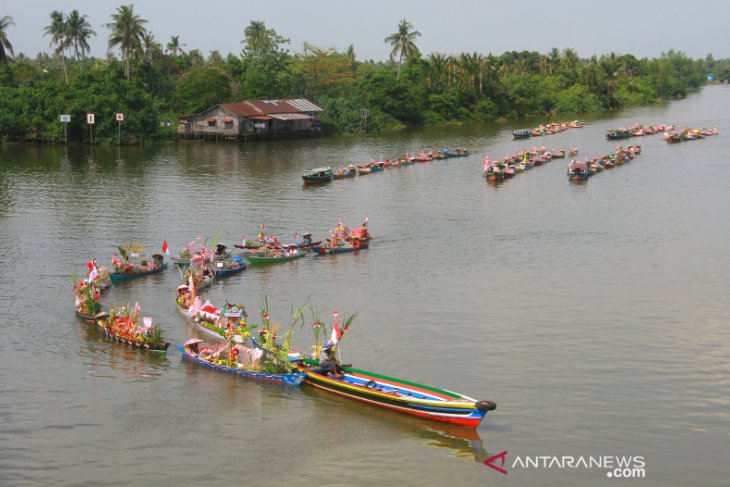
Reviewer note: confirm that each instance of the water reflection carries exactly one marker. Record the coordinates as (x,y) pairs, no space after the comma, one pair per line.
(103,355)
(464,442)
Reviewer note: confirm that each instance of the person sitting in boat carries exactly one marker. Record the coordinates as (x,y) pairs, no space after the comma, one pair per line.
(306,240)
(329,365)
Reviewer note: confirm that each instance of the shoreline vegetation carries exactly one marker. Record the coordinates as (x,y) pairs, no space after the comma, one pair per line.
(154,85)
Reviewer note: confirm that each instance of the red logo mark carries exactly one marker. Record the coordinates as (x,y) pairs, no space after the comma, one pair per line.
(488,462)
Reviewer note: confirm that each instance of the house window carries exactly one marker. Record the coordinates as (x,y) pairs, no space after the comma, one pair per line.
(228,123)
(211,122)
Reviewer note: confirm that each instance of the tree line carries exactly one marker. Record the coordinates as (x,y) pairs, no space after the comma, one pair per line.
(153,84)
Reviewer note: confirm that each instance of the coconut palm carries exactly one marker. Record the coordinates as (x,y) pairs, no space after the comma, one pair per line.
(127,32)
(58,30)
(437,67)
(403,43)
(150,47)
(257,37)
(5,45)
(174,47)
(78,31)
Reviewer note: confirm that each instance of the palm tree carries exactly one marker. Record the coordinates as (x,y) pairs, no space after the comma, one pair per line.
(174,48)
(403,43)
(58,29)
(5,45)
(351,58)
(78,31)
(257,37)
(150,47)
(127,32)
(436,70)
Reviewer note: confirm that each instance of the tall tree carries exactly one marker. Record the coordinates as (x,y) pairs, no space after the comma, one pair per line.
(57,29)
(127,32)
(5,45)
(174,47)
(403,42)
(150,47)
(257,36)
(78,32)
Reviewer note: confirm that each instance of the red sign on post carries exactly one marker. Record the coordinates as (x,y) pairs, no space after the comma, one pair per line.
(90,119)
(119,117)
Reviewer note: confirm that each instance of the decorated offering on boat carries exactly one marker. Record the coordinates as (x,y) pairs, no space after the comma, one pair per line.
(342,239)
(123,325)
(130,263)
(688,134)
(229,267)
(86,300)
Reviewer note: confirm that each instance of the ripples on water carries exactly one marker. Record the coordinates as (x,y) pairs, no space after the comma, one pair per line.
(594,315)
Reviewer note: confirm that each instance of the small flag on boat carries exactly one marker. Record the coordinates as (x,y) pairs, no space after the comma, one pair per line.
(243,239)
(296,236)
(336,333)
(165,248)
(136,310)
(365,224)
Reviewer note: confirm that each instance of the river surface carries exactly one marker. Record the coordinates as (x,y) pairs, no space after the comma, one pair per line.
(595,315)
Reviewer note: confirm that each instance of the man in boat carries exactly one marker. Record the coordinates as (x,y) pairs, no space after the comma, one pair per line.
(306,240)
(329,365)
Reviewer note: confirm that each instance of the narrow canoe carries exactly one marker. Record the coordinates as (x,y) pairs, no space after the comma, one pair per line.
(295,379)
(123,276)
(102,323)
(400,395)
(236,265)
(338,250)
(257,260)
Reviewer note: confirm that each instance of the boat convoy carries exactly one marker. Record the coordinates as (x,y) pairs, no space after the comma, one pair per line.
(230,346)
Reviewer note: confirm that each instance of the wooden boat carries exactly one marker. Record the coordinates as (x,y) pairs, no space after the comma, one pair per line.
(456,153)
(522,134)
(124,270)
(398,395)
(341,248)
(618,133)
(125,329)
(275,257)
(317,175)
(229,267)
(345,172)
(557,154)
(578,170)
(241,361)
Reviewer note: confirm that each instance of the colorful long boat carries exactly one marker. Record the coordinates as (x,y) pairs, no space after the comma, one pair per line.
(239,360)
(131,270)
(229,267)
(399,395)
(275,257)
(341,248)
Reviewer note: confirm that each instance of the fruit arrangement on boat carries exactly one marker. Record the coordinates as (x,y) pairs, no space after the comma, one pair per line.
(345,172)
(129,263)
(123,325)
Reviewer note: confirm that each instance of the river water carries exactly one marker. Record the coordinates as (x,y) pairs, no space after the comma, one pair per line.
(596,315)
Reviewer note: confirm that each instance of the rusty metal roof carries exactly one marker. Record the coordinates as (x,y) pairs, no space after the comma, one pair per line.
(253,108)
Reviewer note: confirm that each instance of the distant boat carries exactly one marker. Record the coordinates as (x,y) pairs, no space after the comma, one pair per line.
(317,175)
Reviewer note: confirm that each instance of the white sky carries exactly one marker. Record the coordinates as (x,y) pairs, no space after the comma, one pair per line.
(645,28)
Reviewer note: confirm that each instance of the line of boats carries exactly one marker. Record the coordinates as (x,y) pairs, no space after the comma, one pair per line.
(688,134)
(546,129)
(637,130)
(582,170)
(229,346)
(326,173)
(521,161)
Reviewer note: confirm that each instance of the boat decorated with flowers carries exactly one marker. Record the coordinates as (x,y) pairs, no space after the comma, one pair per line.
(343,240)
(225,324)
(129,263)
(229,267)
(124,326)
(86,301)
(263,256)
(243,361)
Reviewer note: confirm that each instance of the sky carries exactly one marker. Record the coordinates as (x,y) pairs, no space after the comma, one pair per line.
(645,28)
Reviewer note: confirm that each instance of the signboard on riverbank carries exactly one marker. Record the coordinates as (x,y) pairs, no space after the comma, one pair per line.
(90,118)
(65,118)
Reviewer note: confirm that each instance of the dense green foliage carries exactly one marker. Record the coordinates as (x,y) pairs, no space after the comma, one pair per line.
(151,85)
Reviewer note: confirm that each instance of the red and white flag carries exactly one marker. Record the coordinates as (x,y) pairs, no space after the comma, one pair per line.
(243,239)
(336,332)
(165,248)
